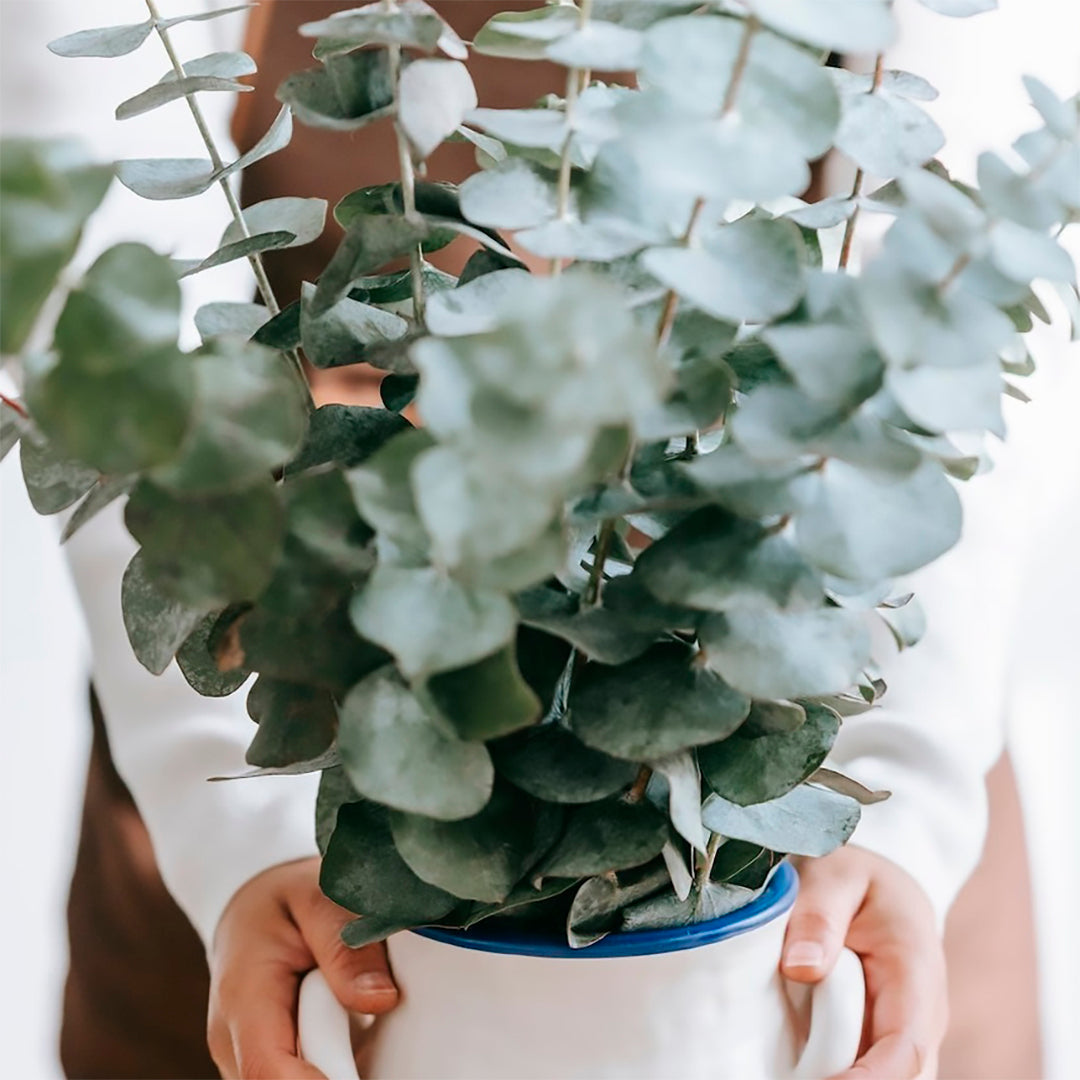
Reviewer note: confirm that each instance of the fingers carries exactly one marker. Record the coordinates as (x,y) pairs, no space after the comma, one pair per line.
(830,894)
(359,978)
(259,1041)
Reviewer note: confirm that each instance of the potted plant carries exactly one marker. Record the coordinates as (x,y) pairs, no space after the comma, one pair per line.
(572,651)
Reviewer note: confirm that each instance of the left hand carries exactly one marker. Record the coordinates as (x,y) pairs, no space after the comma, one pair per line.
(857,898)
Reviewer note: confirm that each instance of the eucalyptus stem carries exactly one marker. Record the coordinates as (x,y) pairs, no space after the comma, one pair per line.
(576,81)
(706,865)
(860,176)
(262,280)
(407,171)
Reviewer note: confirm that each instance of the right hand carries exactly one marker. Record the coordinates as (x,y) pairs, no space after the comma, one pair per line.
(276,929)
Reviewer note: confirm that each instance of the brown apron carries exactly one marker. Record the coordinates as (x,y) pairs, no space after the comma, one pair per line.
(136,996)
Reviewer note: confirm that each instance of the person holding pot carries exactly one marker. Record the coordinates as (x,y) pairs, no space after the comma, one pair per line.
(240,861)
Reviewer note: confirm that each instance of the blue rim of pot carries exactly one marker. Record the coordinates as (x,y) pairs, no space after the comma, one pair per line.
(489,936)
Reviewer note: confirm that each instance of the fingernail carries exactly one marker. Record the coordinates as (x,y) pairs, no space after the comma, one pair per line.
(804,954)
(374,982)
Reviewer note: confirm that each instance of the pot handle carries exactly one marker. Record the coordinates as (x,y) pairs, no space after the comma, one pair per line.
(837,1006)
(323,1024)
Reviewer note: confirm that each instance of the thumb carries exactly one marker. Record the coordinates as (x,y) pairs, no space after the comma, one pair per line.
(830,894)
(359,978)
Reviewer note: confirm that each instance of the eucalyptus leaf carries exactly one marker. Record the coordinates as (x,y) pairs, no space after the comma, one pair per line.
(960,7)
(479,858)
(363,872)
(222,65)
(212,550)
(754,769)
(805,821)
(345,94)
(598,46)
(552,764)
(304,218)
(53,482)
(429,622)
(485,699)
(296,723)
(166,178)
(199,666)
(595,911)
(103,494)
(156,624)
(786,654)
(711,901)
(240,249)
(434,97)
(227,318)
(346,435)
(202,16)
(524,35)
(885,134)
(397,753)
(865,526)
(682,781)
(165,93)
(605,836)
(346,333)
(653,706)
(853,26)
(106,41)
(749,270)
(411,23)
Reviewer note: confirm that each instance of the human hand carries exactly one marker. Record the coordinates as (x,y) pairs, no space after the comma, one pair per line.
(278,927)
(857,898)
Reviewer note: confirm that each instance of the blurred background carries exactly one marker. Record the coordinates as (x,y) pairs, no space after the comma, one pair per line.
(977,65)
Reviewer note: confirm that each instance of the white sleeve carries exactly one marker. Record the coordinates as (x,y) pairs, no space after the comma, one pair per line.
(166,740)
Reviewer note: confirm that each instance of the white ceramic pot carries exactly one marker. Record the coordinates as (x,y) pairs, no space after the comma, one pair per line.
(701,1003)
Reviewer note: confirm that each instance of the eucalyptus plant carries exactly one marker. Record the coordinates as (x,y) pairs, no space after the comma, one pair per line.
(577,647)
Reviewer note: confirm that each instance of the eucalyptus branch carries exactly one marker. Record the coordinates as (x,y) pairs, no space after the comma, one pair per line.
(262,280)
(857,186)
(407,171)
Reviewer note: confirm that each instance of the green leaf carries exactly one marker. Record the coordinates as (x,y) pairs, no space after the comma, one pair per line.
(714,560)
(199,667)
(156,624)
(106,41)
(750,270)
(370,243)
(754,769)
(105,492)
(203,16)
(950,399)
(345,333)
(48,190)
(864,526)
(539,129)
(550,763)
(227,319)
(486,699)
(849,26)
(479,305)
(960,7)
(223,65)
(676,783)
(515,194)
(786,654)
(210,551)
(666,911)
(479,858)
(430,622)
(604,836)
(597,632)
(397,753)
(598,46)
(412,24)
(654,706)
(1023,254)
(162,179)
(383,493)
(282,332)
(53,482)
(345,94)
(304,218)
(596,909)
(433,98)
(784,94)
(363,872)
(335,791)
(524,35)
(886,134)
(774,718)
(296,723)
(346,435)
(805,821)
(241,249)
(164,93)
(249,419)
